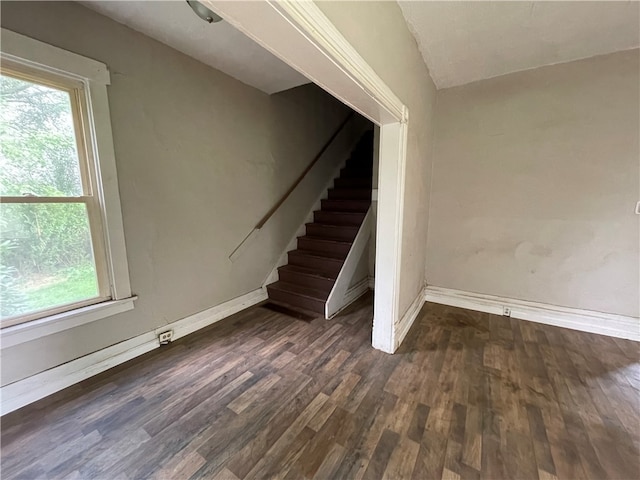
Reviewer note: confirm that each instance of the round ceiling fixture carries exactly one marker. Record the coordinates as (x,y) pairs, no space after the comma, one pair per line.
(203,12)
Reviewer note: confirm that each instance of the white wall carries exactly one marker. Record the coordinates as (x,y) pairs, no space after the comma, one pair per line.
(201,158)
(378,31)
(536,175)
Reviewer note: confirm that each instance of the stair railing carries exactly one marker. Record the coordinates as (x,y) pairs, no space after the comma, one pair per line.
(341,295)
(244,244)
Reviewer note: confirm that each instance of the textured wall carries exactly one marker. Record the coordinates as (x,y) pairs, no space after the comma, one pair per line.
(201,158)
(536,175)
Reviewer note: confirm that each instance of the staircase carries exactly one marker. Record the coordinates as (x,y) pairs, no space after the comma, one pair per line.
(306,281)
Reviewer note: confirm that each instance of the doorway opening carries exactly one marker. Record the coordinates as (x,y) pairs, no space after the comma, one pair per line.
(301,35)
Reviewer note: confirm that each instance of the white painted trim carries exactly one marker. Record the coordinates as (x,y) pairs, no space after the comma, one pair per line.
(108,190)
(406,322)
(389,216)
(307,16)
(94,76)
(31,389)
(42,55)
(212,315)
(353,293)
(304,38)
(25,332)
(338,298)
(576,319)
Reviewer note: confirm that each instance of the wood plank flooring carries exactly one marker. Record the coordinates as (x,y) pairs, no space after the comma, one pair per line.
(263,395)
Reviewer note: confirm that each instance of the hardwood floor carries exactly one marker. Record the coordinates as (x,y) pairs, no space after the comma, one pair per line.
(263,395)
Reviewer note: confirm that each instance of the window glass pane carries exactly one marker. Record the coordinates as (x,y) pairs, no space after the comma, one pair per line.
(46,257)
(38,151)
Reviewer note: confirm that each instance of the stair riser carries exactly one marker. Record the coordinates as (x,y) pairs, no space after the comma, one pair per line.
(349,194)
(322,247)
(296,300)
(336,218)
(352,183)
(323,284)
(322,265)
(346,205)
(344,234)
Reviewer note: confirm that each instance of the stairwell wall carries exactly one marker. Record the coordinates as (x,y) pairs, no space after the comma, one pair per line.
(201,157)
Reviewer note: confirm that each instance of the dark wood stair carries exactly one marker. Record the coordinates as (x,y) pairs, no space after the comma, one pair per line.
(333,205)
(306,281)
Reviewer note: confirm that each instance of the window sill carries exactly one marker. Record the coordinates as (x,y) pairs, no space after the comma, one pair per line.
(25,332)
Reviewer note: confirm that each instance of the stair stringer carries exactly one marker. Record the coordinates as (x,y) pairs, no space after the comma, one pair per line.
(360,126)
(341,295)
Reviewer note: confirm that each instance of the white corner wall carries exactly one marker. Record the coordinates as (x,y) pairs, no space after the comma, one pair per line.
(536,176)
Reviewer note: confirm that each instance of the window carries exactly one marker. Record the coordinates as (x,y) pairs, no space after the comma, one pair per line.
(52,254)
(61,238)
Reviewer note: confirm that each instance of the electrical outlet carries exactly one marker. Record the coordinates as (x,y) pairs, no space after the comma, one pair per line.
(506,311)
(165,337)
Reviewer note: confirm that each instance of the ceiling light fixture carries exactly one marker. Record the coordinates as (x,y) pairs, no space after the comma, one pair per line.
(203,12)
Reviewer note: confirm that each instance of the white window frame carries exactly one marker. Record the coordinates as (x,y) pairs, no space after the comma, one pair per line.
(95,77)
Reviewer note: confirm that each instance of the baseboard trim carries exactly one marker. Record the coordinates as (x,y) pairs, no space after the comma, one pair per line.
(608,324)
(23,392)
(353,293)
(406,322)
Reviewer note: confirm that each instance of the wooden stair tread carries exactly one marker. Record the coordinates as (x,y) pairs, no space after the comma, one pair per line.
(346,205)
(320,255)
(306,271)
(350,227)
(298,312)
(326,240)
(299,290)
(312,269)
(335,212)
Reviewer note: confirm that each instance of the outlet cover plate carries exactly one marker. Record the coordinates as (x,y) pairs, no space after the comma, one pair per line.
(165,337)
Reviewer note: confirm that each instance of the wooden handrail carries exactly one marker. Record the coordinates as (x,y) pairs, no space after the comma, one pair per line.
(273,210)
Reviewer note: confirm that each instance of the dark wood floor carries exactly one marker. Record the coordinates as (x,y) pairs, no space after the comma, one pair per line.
(264,395)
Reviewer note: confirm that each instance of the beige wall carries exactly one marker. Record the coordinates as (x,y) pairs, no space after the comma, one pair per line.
(536,175)
(380,34)
(201,158)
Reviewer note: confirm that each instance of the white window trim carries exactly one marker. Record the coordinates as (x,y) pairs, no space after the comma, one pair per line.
(95,76)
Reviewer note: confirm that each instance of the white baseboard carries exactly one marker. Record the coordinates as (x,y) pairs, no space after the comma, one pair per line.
(353,293)
(356,291)
(404,325)
(26,391)
(576,319)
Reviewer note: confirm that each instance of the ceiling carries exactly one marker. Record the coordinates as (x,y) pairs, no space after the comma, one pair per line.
(218,45)
(462,42)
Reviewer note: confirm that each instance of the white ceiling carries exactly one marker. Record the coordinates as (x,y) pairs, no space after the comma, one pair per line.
(218,45)
(462,42)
